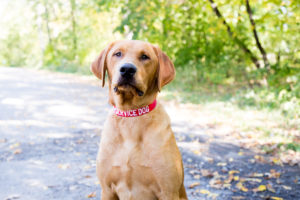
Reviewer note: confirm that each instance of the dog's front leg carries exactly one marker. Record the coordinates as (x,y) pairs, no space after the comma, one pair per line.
(108,195)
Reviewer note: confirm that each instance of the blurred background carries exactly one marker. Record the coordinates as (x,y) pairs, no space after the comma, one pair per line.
(245,53)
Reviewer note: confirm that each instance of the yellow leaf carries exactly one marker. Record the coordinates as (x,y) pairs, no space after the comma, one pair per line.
(204,192)
(276,161)
(197,152)
(236,178)
(260,188)
(240,186)
(276,198)
(14,145)
(234,172)
(241,153)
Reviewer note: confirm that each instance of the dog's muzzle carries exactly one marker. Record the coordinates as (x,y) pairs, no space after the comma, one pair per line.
(127,72)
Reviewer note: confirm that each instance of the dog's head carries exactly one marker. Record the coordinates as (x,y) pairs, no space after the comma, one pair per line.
(134,67)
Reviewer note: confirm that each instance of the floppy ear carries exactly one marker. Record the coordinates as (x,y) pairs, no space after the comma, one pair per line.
(99,66)
(166,70)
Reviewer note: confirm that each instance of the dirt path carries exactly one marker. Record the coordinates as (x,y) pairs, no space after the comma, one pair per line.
(50,126)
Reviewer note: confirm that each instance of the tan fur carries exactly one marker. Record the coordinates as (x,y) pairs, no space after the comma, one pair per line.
(138,158)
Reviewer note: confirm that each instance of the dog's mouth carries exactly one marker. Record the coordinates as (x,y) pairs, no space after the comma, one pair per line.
(125,85)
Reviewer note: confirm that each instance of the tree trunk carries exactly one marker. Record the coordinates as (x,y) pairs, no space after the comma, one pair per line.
(47,22)
(73,7)
(258,44)
(234,37)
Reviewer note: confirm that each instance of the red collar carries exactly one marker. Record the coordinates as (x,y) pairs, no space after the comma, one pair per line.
(136,112)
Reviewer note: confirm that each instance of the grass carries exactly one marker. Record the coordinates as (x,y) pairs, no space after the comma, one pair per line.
(267,116)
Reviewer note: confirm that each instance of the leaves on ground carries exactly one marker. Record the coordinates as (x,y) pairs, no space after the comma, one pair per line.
(91,195)
(194,185)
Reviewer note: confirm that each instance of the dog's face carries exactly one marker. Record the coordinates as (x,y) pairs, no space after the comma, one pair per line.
(134,66)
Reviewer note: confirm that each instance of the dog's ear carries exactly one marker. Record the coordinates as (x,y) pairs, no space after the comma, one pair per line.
(99,66)
(166,70)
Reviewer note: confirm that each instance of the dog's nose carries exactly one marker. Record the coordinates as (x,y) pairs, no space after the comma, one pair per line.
(127,70)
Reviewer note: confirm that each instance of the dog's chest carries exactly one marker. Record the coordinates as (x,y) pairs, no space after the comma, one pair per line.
(131,171)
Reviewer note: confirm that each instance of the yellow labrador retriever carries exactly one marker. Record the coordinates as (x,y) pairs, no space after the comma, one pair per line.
(138,158)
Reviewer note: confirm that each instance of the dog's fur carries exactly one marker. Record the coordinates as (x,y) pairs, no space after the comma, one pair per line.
(138,158)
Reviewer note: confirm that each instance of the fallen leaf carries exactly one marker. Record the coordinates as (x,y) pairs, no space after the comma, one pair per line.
(227,185)
(197,176)
(260,158)
(18,151)
(286,187)
(206,173)
(204,192)
(276,198)
(194,185)
(236,178)
(223,164)
(241,187)
(63,166)
(208,159)
(260,188)
(240,153)
(276,161)
(197,152)
(234,172)
(91,195)
(270,188)
(229,179)
(274,174)
(257,175)
(251,179)
(14,145)
(216,183)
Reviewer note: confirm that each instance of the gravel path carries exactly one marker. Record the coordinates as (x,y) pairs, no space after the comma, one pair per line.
(50,125)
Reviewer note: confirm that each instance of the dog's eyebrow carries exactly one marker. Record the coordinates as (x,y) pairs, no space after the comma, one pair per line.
(118,49)
(144,52)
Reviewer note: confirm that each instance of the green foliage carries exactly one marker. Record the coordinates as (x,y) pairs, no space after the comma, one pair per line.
(13,51)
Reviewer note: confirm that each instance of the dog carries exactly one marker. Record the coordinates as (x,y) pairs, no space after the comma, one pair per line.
(138,158)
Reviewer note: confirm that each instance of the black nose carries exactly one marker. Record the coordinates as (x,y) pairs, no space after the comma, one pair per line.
(127,70)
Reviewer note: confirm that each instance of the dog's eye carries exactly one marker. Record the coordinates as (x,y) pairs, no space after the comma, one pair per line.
(118,54)
(144,57)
